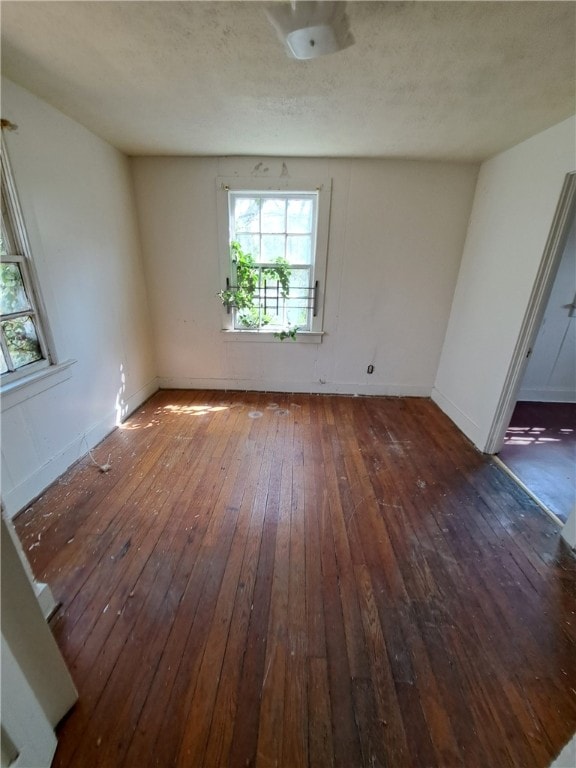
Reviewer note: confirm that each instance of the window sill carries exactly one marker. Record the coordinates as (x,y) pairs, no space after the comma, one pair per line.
(302,337)
(15,392)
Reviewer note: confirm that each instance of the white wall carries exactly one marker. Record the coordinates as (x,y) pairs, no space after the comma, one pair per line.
(550,375)
(396,237)
(514,204)
(77,199)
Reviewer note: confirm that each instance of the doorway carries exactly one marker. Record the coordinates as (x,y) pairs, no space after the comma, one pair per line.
(540,451)
(539,446)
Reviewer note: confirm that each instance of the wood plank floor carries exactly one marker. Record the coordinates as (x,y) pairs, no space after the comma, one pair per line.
(292,580)
(540,449)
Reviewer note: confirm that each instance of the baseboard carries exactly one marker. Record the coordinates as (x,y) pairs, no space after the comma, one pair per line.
(314,388)
(135,401)
(19,497)
(45,598)
(547,395)
(464,423)
(30,488)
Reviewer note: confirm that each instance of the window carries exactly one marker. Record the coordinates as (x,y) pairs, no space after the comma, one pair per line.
(22,342)
(274,240)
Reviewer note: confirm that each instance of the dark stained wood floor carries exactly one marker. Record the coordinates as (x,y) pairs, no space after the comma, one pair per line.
(337,582)
(540,449)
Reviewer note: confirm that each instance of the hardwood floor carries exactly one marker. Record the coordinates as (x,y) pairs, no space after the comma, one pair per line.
(292,580)
(540,449)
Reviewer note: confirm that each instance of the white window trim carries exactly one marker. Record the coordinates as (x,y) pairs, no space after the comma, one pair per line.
(41,369)
(44,362)
(323,187)
(266,336)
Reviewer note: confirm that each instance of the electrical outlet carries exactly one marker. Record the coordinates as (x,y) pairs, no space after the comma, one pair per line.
(370,369)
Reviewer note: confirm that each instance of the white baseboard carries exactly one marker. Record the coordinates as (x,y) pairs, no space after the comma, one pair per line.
(314,388)
(464,423)
(136,400)
(548,395)
(45,598)
(18,497)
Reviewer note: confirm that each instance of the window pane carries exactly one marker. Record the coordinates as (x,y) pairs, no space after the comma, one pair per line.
(300,299)
(299,249)
(273,215)
(247,214)
(249,318)
(22,340)
(272,248)
(299,217)
(250,244)
(273,226)
(3,366)
(274,303)
(12,294)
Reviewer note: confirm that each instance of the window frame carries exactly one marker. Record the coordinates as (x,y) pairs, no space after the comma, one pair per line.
(322,188)
(17,238)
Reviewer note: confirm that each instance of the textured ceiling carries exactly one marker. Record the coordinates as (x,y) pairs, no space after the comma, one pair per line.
(445,80)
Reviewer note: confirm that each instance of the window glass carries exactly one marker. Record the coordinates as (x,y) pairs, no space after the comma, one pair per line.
(250,244)
(22,340)
(299,249)
(273,250)
(275,229)
(299,218)
(273,216)
(247,214)
(21,336)
(297,311)
(12,293)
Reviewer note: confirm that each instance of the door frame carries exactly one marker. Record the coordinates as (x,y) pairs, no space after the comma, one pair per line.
(534,314)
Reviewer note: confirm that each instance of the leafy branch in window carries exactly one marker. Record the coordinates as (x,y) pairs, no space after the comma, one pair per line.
(287,333)
(22,341)
(17,319)
(12,295)
(245,295)
(241,296)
